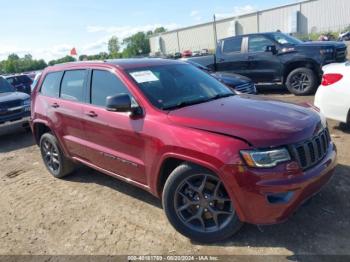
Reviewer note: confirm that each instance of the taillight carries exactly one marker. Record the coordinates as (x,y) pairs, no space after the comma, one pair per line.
(330,79)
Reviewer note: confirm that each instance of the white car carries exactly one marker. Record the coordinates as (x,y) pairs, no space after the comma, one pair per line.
(333,96)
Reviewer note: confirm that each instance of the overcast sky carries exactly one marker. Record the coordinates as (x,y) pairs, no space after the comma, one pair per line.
(49,29)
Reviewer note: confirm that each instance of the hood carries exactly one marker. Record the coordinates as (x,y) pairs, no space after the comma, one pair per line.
(12,96)
(231,78)
(321,44)
(263,123)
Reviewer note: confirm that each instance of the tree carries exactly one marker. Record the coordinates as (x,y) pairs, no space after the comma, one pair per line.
(159,30)
(65,59)
(113,47)
(136,45)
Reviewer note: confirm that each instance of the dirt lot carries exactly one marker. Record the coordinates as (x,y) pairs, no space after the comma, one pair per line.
(91,213)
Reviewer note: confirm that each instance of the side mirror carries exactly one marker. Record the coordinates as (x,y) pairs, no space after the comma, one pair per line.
(119,103)
(272,49)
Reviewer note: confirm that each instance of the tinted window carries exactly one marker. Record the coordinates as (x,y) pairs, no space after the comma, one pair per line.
(24,79)
(232,45)
(51,84)
(258,43)
(105,84)
(171,86)
(72,87)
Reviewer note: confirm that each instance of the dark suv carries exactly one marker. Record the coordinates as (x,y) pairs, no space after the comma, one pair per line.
(22,83)
(216,158)
(275,58)
(14,107)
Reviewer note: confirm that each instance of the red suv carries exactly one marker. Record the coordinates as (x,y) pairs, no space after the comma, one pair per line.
(217,159)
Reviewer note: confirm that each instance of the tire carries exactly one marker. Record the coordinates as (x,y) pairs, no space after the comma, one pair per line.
(56,163)
(177,191)
(302,81)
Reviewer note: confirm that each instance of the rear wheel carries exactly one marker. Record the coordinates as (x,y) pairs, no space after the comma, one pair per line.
(55,161)
(198,206)
(302,81)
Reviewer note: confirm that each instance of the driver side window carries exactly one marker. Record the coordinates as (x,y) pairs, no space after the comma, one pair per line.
(258,44)
(104,84)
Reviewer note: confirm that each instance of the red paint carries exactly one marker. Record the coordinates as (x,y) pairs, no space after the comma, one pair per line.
(209,134)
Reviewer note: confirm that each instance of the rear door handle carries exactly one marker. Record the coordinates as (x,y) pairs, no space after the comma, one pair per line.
(221,60)
(55,105)
(91,114)
(250,57)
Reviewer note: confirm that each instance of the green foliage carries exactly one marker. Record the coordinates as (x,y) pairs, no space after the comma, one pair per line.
(159,30)
(65,59)
(113,47)
(136,45)
(15,64)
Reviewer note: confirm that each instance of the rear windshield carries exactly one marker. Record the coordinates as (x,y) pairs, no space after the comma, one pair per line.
(172,86)
(5,86)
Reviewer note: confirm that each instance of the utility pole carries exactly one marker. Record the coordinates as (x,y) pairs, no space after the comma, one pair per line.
(215,34)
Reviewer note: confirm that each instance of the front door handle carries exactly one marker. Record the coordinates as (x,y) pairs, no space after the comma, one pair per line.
(55,105)
(250,57)
(221,60)
(91,114)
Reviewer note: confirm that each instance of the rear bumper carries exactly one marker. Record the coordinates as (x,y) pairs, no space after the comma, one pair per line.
(271,196)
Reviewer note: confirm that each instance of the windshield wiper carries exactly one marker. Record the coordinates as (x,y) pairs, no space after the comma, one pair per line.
(185,103)
(219,96)
(198,101)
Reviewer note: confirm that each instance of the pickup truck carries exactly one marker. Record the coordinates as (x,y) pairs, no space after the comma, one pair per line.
(275,58)
(14,108)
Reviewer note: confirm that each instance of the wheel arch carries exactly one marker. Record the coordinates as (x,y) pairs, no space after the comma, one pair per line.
(169,162)
(311,64)
(40,128)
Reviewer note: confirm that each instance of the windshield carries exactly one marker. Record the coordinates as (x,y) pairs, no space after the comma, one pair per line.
(284,39)
(5,86)
(173,86)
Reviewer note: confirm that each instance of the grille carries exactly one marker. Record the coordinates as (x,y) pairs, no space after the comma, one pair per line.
(248,88)
(9,104)
(310,152)
(340,55)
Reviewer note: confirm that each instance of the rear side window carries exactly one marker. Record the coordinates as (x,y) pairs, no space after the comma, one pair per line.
(72,87)
(51,84)
(105,84)
(232,45)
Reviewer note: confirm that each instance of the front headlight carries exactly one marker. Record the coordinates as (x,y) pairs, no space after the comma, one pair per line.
(26,102)
(265,158)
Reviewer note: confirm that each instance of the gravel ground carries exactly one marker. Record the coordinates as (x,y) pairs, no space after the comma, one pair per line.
(91,213)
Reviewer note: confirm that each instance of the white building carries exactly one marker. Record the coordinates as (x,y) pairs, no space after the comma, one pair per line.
(303,17)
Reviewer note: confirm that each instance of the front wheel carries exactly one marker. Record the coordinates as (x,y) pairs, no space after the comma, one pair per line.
(302,81)
(198,206)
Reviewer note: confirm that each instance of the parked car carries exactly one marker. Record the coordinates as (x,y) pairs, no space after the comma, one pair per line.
(236,82)
(177,55)
(333,96)
(275,58)
(204,51)
(21,83)
(215,158)
(186,53)
(14,107)
(196,53)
